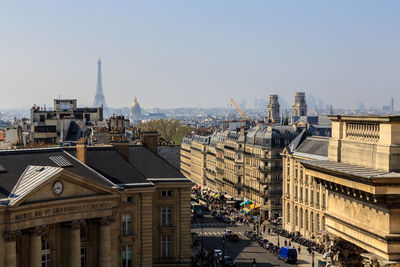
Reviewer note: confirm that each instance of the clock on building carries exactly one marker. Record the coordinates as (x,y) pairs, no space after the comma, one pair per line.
(58,187)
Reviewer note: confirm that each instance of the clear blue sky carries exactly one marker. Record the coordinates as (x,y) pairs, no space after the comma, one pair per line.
(199,53)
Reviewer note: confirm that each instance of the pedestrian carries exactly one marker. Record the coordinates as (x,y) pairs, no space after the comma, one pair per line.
(299,249)
(269,231)
(264,228)
(254,263)
(290,243)
(285,243)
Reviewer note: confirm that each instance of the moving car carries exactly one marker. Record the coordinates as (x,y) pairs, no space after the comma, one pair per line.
(228,232)
(288,254)
(227,261)
(233,237)
(218,254)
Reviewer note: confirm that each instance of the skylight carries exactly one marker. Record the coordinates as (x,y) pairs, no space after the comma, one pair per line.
(61,161)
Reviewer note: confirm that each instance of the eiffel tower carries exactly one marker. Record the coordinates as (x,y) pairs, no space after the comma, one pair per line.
(99,99)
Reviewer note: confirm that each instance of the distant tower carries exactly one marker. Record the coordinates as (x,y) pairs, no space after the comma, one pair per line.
(273,108)
(330,112)
(300,106)
(392,105)
(99,99)
(136,113)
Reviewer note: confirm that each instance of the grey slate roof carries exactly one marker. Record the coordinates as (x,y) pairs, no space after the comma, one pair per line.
(315,145)
(152,165)
(348,169)
(109,163)
(16,161)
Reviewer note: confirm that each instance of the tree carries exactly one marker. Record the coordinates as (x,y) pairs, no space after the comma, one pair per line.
(170,130)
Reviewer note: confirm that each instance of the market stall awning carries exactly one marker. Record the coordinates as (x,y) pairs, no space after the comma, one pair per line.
(254,206)
(217,195)
(228,196)
(245,203)
(246,210)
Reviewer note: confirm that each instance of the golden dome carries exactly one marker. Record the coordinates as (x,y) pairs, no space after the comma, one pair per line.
(134,103)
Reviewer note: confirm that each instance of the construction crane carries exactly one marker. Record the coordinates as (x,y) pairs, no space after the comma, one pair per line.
(238,109)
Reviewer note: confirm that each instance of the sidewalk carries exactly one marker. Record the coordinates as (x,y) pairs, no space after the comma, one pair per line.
(303,258)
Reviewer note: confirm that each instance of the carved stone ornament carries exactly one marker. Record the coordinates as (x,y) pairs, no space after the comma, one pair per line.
(11,236)
(75,225)
(106,221)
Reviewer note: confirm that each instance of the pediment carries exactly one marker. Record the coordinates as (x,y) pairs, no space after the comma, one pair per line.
(37,184)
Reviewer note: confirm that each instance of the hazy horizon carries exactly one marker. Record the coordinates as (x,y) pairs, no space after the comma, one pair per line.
(199,54)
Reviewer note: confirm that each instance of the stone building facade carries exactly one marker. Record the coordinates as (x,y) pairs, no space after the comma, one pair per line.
(303,200)
(361,179)
(240,161)
(93,206)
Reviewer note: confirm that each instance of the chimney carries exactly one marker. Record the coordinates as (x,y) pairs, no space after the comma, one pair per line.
(81,152)
(150,140)
(242,130)
(122,147)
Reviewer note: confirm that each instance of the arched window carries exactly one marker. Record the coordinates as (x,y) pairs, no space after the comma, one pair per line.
(323,223)
(46,254)
(312,222)
(306,220)
(301,218)
(318,223)
(288,213)
(297,216)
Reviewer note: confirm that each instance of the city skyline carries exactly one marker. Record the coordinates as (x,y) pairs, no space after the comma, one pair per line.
(177,54)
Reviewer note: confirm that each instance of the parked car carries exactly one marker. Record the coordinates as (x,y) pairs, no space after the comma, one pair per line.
(219,217)
(269,245)
(226,220)
(199,214)
(233,237)
(228,232)
(218,254)
(288,254)
(247,233)
(228,261)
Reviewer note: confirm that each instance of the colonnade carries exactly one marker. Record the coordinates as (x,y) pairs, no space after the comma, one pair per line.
(74,257)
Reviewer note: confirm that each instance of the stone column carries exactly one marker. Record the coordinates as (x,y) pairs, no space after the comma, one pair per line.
(75,244)
(105,241)
(11,247)
(36,245)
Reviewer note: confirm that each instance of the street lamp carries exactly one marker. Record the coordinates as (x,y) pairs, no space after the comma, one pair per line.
(202,234)
(223,247)
(312,255)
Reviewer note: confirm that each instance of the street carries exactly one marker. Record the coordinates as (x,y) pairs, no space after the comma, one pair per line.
(243,252)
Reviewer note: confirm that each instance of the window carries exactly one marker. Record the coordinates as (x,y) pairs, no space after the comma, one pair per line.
(312,222)
(295,192)
(306,196)
(317,199)
(301,193)
(166,248)
(323,223)
(166,193)
(323,201)
(306,219)
(46,254)
(127,224)
(301,217)
(312,197)
(126,256)
(288,213)
(297,216)
(166,217)
(318,223)
(129,199)
(83,257)
(287,189)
